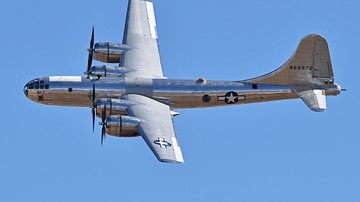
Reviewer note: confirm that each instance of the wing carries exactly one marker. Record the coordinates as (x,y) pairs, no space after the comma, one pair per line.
(156,127)
(143,58)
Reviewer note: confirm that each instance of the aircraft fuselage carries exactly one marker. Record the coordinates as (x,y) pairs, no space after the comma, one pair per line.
(77,91)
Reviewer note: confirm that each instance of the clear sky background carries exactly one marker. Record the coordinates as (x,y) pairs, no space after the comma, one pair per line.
(278,151)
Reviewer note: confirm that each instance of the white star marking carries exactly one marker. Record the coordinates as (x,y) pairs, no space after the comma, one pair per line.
(231,98)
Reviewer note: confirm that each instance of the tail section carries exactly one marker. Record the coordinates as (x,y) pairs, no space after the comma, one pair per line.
(308,71)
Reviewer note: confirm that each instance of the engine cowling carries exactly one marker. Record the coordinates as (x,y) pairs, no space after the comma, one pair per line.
(107,71)
(122,126)
(109,52)
(111,107)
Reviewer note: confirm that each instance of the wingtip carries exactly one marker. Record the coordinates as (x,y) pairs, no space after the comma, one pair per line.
(171,161)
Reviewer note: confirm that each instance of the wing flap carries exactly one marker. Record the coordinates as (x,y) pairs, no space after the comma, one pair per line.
(156,127)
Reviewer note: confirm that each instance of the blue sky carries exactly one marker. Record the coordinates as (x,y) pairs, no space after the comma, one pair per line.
(278,151)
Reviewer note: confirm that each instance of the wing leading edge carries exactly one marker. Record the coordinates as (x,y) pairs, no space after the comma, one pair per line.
(156,127)
(143,58)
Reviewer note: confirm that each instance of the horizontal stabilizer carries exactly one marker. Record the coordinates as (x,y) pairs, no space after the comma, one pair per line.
(315,99)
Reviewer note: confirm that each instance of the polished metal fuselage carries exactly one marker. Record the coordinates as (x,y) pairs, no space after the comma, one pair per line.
(78,91)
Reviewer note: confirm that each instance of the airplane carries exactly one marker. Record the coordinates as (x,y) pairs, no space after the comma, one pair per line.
(133,97)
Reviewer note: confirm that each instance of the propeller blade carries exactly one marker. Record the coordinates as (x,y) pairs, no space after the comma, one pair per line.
(91,51)
(103,114)
(90,59)
(103,130)
(103,134)
(92,37)
(93,107)
(93,118)
(93,95)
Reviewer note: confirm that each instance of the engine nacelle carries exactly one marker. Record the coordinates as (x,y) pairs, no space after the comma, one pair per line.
(111,107)
(122,126)
(107,71)
(109,52)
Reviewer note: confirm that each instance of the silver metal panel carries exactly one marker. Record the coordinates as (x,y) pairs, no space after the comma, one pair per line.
(122,126)
(109,52)
(107,71)
(140,86)
(190,94)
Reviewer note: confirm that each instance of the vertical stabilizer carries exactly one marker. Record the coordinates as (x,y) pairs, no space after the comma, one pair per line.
(309,65)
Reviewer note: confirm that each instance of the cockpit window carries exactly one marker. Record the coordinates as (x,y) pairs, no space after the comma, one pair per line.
(37,84)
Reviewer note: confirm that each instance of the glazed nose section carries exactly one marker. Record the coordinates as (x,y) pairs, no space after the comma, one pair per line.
(32,85)
(26,88)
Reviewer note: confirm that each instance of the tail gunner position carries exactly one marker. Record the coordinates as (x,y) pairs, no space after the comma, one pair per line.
(135,99)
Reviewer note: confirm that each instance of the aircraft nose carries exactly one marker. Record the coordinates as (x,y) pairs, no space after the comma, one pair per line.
(26,87)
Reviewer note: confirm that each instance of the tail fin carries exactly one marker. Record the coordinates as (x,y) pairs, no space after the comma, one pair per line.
(308,71)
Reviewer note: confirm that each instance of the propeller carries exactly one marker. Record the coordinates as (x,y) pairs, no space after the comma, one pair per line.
(91,51)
